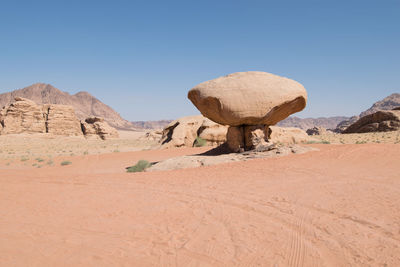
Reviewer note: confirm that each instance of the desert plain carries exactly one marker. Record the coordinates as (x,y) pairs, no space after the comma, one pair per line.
(335,206)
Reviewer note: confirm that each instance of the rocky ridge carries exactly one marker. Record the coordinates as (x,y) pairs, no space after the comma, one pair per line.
(84,104)
(25,116)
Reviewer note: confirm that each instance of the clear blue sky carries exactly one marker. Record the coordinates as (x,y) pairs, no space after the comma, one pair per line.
(141,57)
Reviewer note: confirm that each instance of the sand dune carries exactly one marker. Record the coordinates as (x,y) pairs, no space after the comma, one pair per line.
(338,206)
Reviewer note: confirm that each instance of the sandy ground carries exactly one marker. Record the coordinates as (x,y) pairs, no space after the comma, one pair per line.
(339,206)
(39,150)
(376,137)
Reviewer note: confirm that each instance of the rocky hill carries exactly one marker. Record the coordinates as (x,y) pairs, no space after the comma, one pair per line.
(85,104)
(307,123)
(151,124)
(388,103)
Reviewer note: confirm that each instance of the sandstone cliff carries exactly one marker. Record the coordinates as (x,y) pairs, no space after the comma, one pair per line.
(84,104)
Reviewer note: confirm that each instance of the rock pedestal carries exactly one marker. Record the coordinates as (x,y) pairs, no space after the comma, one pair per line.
(248,102)
(247,137)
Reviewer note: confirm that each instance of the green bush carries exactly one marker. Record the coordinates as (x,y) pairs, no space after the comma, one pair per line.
(39,159)
(140,166)
(199,142)
(66,162)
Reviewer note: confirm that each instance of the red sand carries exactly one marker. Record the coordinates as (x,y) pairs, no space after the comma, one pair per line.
(339,206)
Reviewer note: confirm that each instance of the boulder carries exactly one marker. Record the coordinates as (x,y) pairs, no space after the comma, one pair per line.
(61,120)
(288,135)
(248,98)
(181,132)
(154,135)
(96,126)
(184,131)
(22,116)
(381,121)
(316,131)
(213,133)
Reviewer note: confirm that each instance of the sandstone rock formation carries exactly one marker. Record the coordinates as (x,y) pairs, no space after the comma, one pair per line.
(342,126)
(194,161)
(288,135)
(22,116)
(213,133)
(249,102)
(316,131)
(183,132)
(248,98)
(245,138)
(61,120)
(25,116)
(84,104)
(95,126)
(381,121)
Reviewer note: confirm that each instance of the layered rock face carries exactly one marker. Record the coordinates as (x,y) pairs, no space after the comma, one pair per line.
(84,104)
(22,116)
(381,121)
(249,102)
(61,120)
(25,116)
(96,126)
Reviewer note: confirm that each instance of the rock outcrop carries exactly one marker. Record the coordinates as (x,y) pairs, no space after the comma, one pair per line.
(61,120)
(25,116)
(213,133)
(184,131)
(381,121)
(249,102)
(181,132)
(288,135)
(22,116)
(316,131)
(95,126)
(342,126)
(388,103)
(84,104)
(248,98)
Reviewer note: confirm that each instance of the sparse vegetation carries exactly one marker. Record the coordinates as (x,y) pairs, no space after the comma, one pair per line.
(361,142)
(39,159)
(66,162)
(318,142)
(199,142)
(140,166)
(24,159)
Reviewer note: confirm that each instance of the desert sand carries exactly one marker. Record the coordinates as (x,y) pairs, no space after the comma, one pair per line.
(338,206)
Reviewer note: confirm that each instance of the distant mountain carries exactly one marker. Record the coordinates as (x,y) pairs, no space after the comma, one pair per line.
(151,124)
(387,103)
(328,123)
(85,104)
(340,123)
